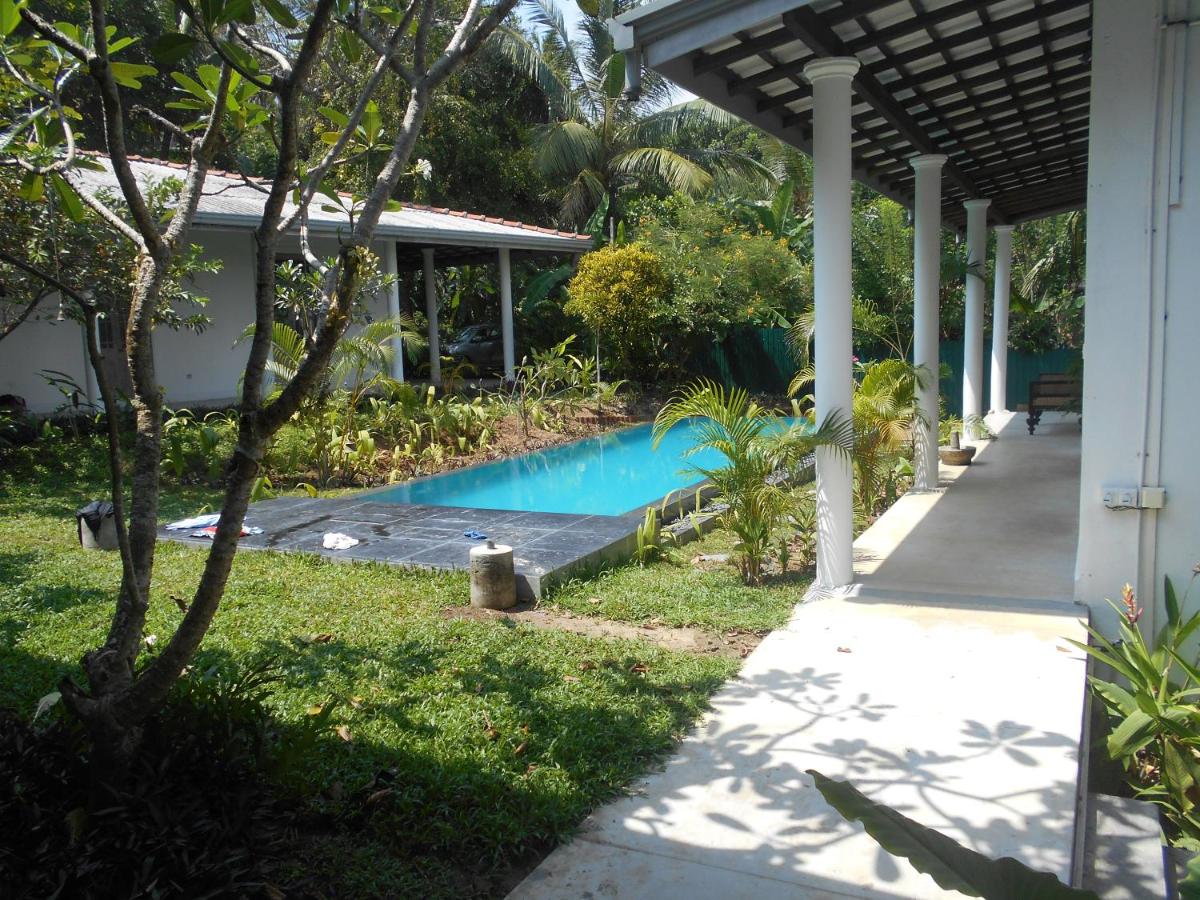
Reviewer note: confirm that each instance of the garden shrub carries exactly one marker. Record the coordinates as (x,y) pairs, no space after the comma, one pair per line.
(620,293)
(722,274)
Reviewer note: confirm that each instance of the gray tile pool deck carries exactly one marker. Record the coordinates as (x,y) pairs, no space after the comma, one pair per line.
(547,547)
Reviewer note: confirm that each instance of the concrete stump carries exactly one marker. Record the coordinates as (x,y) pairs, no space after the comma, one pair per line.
(493,582)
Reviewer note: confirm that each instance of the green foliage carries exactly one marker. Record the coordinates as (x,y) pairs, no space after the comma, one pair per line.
(756,446)
(554,385)
(620,293)
(1153,710)
(197,448)
(884,410)
(722,274)
(599,143)
(1048,276)
(80,252)
(648,538)
(953,866)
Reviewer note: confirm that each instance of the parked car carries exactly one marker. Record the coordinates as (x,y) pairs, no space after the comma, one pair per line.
(480,345)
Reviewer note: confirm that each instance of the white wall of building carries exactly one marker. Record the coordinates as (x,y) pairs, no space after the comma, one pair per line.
(194,369)
(204,368)
(39,344)
(1140,424)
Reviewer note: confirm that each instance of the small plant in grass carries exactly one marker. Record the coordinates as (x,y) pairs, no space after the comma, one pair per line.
(756,446)
(1154,711)
(649,538)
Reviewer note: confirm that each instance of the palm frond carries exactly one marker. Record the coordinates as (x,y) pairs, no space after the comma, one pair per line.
(516,46)
(564,149)
(677,171)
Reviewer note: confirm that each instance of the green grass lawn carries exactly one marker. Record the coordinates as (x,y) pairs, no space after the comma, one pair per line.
(672,591)
(496,739)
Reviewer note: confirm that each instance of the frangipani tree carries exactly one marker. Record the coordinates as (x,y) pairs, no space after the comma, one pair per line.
(600,140)
(260,57)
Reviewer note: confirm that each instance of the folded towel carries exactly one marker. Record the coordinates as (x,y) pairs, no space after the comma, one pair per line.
(335,540)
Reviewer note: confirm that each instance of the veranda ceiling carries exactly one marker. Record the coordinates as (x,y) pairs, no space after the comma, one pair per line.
(1000,86)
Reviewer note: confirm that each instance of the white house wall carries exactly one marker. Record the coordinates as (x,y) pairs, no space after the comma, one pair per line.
(1178,527)
(1140,425)
(203,369)
(194,369)
(40,344)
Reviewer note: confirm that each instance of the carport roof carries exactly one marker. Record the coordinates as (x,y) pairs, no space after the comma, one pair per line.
(231,201)
(1002,87)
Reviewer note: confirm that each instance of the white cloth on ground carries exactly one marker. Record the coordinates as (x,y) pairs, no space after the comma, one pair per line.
(335,540)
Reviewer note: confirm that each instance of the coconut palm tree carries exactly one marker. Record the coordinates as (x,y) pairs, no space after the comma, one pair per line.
(599,140)
(756,445)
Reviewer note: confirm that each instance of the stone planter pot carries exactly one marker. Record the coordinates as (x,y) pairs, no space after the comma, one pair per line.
(956,456)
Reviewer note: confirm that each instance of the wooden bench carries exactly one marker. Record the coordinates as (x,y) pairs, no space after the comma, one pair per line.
(1052,390)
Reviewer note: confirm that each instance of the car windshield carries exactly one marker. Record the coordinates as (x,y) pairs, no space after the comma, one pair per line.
(466,334)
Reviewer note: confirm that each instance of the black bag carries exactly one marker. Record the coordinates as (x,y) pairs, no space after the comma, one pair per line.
(94,516)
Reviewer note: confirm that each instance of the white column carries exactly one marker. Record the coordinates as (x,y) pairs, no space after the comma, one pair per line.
(973,320)
(927,265)
(390,267)
(506,315)
(431,313)
(90,388)
(831,81)
(999,399)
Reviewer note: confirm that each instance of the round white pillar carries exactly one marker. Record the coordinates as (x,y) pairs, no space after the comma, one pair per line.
(927,265)
(506,315)
(831,80)
(973,319)
(431,313)
(1000,292)
(390,267)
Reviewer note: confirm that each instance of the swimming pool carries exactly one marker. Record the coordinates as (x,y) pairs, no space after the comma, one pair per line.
(607,475)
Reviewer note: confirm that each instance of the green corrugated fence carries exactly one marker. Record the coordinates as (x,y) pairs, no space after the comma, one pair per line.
(759,360)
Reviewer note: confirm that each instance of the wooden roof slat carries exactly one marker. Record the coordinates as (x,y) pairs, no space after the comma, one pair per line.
(816,33)
(1002,87)
(944,44)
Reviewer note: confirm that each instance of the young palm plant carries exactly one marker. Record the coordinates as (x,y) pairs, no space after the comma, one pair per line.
(360,364)
(756,446)
(884,410)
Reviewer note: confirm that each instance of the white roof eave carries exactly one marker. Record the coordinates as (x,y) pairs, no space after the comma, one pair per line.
(668,29)
(409,234)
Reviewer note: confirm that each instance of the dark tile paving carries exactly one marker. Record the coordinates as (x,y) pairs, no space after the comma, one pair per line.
(547,547)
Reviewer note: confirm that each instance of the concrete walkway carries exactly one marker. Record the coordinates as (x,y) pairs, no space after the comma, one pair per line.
(940,686)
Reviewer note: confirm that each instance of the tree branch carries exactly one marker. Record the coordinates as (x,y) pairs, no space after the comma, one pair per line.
(26,312)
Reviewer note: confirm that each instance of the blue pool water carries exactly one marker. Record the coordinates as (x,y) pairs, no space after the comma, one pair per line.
(607,475)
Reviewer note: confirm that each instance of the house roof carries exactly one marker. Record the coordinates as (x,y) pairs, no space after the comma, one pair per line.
(1000,86)
(229,201)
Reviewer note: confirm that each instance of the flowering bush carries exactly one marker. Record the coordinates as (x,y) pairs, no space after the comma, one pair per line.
(620,293)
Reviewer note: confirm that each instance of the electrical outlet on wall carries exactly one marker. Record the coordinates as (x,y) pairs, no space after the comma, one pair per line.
(1120,497)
